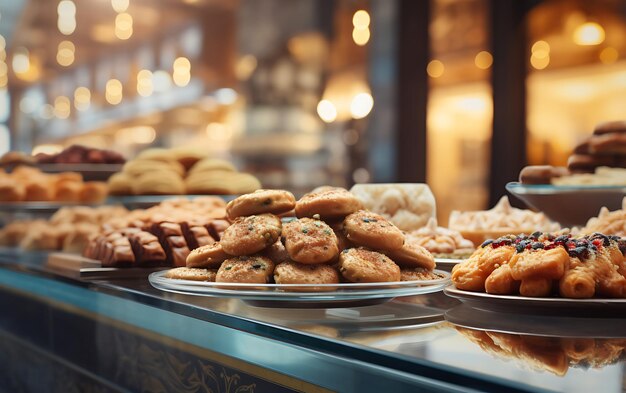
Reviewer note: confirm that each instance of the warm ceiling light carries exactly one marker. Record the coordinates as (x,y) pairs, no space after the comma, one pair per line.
(82,98)
(21,60)
(435,68)
(361,36)
(361,105)
(589,33)
(123,26)
(144,83)
(540,49)
(483,60)
(65,53)
(113,91)
(539,63)
(103,33)
(181,79)
(182,64)
(66,8)
(609,55)
(361,19)
(326,111)
(120,5)
(62,107)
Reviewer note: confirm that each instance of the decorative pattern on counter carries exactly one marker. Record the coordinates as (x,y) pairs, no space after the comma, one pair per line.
(331,241)
(552,354)
(540,265)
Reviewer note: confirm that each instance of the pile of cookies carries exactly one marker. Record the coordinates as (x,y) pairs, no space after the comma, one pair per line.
(540,265)
(606,147)
(332,240)
(502,219)
(178,172)
(28,184)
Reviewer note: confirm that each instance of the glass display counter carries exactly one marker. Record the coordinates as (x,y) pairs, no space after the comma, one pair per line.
(66,334)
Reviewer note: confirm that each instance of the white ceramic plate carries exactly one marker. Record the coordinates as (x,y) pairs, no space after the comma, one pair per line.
(284,295)
(540,305)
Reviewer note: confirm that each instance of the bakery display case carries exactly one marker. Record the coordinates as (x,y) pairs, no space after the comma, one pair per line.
(311,196)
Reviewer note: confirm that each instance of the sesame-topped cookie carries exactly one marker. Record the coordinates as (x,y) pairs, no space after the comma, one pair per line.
(308,240)
(193,274)
(290,272)
(248,235)
(246,269)
(412,255)
(362,265)
(372,230)
(259,202)
(330,203)
(210,255)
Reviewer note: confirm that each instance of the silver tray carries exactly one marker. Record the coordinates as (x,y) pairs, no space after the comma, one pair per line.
(278,295)
(539,305)
(568,205)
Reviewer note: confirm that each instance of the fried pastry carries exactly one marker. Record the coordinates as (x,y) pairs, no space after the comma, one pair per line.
(329,204)
(310,241)
(259,202)
(248,235)
(362,265)
(372,230)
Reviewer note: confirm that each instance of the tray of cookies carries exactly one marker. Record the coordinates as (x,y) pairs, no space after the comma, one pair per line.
(332,252)
(545,273)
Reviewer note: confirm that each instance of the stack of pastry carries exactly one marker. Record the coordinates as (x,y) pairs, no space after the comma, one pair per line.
(540,265)
(178,172)
(553,354)
(500,220)
(30,184)
(162,235)
(606,147)
(332,240)
(69,229)
(442,242)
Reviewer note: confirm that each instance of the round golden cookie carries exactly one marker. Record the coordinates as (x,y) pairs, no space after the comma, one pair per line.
(247,269)
(412,255)
(212,164)
(372,230)
(418,274)
(159,183)
(329,203)
(210,255)
(248,235)
(142,166)
(156,154)
(361,265)
(187,273)
(342,239)
(120,184)
(310,241)
(11,190)
(221,183)
(276,252)
(259,202)
(290,272)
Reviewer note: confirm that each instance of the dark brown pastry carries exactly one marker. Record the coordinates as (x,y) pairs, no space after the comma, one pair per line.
(588,163)
(171,238)
(610,127)
(541,174)
(609,143)
(196,235)
(216,228)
